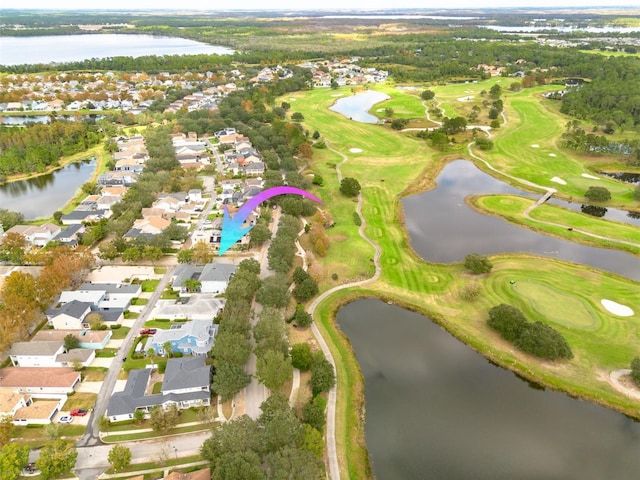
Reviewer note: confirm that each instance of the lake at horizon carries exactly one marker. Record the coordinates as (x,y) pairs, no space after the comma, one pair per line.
(73,48)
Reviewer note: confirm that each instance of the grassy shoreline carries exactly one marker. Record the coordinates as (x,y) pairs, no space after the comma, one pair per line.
(512,207)
(433,289)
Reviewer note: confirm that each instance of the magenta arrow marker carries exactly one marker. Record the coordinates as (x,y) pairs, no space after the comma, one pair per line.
(232,230)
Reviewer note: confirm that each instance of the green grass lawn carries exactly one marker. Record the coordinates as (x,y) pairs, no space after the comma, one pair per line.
(81,400)
(106,353)
(94,374)
(120,333)
(512,208)
(149,285)
(528,147)
(139,301)
(131,315)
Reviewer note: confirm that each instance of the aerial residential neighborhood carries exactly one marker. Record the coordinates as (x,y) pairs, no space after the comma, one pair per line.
(318,242)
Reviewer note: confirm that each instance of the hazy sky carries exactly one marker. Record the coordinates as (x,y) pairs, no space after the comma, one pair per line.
(304,4)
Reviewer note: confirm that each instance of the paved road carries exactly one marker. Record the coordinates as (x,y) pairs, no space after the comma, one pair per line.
(255,393)
(92,460)
(332,454)
(91,435)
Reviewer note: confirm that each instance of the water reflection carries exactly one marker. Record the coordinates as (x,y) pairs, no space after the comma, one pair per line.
(435,409)
(444,229)
(43,195)
(356,107)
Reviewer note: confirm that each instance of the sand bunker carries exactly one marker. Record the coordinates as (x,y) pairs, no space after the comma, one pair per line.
(355,150)
(558,180)
(466,99)
(616,308)
(535,145)
(552,154)
(586,175)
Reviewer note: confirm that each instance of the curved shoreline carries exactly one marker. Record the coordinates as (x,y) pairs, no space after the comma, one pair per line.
(351,404)
(423,183)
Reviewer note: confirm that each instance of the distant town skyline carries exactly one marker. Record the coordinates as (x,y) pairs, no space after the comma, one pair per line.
(312,4)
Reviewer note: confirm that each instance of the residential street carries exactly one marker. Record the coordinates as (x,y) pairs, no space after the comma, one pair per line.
(255,393)
(90,437)
(92,461)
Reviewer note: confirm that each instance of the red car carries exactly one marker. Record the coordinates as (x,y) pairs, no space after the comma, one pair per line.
(148,331)
(78,412)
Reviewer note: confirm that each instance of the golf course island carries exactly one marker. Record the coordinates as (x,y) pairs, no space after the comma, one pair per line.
(595,310)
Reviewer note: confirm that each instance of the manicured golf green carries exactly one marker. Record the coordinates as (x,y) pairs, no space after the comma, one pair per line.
(564,295)
(512,208)
(528,147)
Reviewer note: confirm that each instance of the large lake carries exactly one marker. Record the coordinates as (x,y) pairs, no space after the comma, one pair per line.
(435,409)
(43,195)
(71,48)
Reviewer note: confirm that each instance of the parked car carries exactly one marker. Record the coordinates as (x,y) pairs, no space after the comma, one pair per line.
(78,412)
(148,331)
(65,419)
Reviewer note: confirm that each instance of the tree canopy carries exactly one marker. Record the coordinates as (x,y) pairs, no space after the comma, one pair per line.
(350,187)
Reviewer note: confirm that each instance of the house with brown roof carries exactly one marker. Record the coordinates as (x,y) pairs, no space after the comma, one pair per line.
(43,380)
(204,474)
(11,402)
(90,339)
(40,410)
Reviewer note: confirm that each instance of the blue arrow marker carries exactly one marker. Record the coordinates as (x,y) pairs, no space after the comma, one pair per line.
(232,229)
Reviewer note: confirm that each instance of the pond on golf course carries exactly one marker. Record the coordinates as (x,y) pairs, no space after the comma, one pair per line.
(444,229)
(435,409)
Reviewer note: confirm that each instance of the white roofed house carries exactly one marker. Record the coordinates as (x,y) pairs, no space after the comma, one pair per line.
(213,277)
(36,235)
(191,338)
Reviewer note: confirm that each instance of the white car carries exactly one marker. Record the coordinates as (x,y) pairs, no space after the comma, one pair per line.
(65,419)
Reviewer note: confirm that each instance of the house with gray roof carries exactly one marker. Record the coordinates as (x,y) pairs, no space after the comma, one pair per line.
(213,277)
(36,354)
(70,316)
(186,383)
(104,296)
(49,353)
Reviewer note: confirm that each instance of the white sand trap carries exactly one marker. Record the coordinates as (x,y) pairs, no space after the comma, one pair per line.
(552,154)
(535,145)
(337,95)
(558,180)
(586,175)
(466,99)
(355,150)
(616,308)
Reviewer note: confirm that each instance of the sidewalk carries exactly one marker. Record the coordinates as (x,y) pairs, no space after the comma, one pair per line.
(164,470)
(142,430)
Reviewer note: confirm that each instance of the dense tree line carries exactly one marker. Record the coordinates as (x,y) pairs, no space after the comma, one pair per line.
(536,338)
(38,146)
(233,347)
(613,94)
(282,249)
(275,446)
(25,297)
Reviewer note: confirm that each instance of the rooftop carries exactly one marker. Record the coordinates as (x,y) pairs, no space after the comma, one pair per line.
(46,377)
